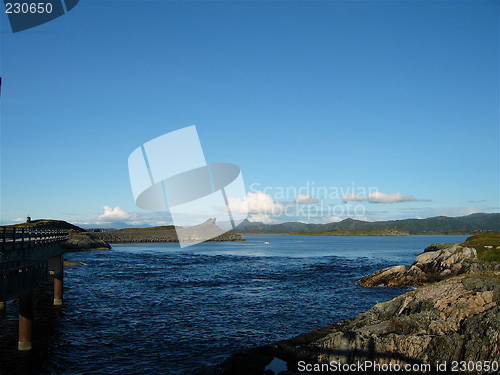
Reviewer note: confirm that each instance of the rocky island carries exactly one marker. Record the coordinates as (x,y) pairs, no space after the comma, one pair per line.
(450,324)
(208,230)
(82,240)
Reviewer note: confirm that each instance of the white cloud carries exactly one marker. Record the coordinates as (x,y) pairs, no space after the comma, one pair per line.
(360,217)
(379,197)
(262,218)
(334,219)
(114,214)
(351,197)
(256,203)
(117,216)
(305,198)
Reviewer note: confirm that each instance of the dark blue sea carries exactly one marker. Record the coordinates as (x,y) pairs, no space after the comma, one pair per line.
(157,308)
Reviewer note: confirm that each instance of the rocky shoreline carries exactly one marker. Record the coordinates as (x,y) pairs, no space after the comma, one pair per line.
(454,316)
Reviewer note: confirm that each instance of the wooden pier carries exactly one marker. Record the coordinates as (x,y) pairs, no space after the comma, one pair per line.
(27,257)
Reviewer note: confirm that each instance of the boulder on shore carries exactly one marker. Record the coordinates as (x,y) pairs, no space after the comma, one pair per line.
(437,262)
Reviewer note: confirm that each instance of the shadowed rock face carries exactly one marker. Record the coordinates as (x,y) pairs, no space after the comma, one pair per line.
(455,319)
(450,320)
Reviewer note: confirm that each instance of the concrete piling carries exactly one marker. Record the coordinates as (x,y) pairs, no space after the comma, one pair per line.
(26,310)
(57,270)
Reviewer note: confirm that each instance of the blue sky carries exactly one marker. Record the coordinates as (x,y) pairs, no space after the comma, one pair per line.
(399,97)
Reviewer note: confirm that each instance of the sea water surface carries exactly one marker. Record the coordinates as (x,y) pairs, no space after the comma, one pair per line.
(157,308)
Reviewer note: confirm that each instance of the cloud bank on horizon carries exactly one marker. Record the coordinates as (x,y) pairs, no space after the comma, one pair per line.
(305,198)
(379,197)
(264,209)
(304,207)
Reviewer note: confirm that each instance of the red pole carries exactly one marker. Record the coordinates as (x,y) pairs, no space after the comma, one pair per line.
(58,282)
(25,320)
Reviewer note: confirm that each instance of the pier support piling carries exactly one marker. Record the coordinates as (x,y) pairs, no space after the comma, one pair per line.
(56,266)
(3,306)
(26,309)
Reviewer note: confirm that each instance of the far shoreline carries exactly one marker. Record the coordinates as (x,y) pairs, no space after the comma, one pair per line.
(354,235)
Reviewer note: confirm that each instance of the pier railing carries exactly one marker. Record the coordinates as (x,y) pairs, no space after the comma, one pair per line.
(24,254)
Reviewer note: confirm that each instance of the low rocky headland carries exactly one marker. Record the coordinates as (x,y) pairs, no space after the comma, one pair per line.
(160,235)
(449,325)
(207,231)
(81,241)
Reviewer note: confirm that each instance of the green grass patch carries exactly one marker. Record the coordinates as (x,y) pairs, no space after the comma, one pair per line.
(33,224)
(76,236)
(487,246)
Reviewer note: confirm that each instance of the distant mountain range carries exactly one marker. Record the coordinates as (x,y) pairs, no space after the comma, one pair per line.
(469,224)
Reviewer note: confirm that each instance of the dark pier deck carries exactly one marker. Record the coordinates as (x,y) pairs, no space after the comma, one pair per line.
(27,257)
